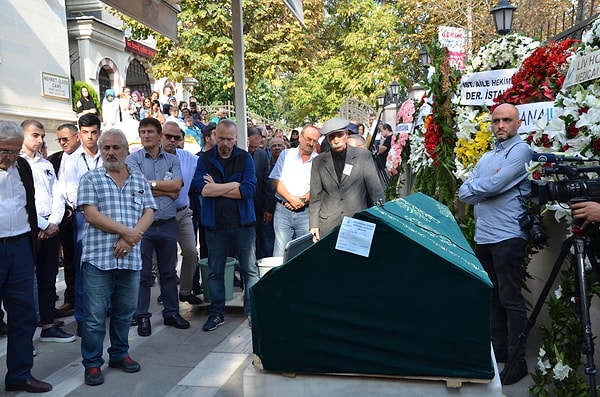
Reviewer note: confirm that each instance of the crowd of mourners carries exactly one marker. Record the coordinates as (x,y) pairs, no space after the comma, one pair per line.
(143,181)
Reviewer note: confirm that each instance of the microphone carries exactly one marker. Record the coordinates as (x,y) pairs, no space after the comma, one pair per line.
(555,157)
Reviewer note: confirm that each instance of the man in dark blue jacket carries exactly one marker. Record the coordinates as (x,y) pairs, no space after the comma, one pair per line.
(226,179)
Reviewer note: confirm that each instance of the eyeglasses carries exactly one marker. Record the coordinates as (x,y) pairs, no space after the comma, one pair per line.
(173,137)
(309,140)
(4,152)
(63,140)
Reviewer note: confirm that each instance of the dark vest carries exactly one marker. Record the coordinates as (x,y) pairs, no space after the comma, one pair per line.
(27,179)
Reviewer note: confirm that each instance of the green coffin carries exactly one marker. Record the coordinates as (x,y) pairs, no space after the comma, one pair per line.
(419,305)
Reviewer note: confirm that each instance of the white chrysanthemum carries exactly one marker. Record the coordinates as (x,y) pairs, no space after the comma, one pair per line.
(558,292)
(561,371)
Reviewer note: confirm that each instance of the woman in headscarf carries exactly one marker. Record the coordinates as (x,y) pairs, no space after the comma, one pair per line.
(85,104)
(111,114)
(135,104)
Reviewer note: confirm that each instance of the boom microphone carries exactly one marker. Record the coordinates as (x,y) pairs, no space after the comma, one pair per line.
(555,157)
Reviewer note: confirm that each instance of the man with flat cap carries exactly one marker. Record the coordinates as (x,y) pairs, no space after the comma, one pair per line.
(342,180)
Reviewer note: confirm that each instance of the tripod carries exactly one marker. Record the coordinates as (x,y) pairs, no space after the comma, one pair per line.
(583,248)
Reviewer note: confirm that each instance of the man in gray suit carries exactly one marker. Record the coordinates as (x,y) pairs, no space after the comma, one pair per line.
(342,180)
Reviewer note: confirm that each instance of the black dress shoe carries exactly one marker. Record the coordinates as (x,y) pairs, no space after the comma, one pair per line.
(177,321)
(144,327)
(191,299)
(134,322)
(31,385)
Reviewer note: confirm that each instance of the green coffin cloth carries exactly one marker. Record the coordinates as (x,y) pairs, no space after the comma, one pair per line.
(419,305)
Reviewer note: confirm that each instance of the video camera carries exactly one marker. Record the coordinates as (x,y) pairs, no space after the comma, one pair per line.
(575,186)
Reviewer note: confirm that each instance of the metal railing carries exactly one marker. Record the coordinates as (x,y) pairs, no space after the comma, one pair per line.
(260,120)
(353,109)
(571,24)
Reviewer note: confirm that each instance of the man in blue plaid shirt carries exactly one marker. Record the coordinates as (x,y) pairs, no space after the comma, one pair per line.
(118,208)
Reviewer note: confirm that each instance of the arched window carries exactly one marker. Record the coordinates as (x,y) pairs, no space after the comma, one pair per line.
(103,82)
(137,78)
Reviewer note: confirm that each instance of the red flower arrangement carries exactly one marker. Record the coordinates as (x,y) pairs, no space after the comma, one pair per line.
(541,76)
(433,137)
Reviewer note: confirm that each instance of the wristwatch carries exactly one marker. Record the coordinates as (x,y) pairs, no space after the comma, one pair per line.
(153,185)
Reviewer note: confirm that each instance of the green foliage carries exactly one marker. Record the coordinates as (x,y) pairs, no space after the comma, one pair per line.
(76,95)
(438,181)
(562,341)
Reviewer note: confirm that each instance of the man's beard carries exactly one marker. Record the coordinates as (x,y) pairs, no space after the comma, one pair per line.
(113,164)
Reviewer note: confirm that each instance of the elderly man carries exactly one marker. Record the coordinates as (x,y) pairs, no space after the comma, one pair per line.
(276,147)
(498,188)
(342,180)
(118,208)
(291,180)
(163,171)
(264,198)
(18,247)
(226,179)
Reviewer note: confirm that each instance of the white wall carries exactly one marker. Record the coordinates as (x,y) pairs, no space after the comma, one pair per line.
(33,39)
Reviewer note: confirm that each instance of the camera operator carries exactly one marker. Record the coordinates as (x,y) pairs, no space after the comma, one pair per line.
(589,211)
(498,188)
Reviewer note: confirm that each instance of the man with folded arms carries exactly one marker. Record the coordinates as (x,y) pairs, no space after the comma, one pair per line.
(118,208)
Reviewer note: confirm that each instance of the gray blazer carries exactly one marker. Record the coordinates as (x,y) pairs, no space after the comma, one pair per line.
(331,200)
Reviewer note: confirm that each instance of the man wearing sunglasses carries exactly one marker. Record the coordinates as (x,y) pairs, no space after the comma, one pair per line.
(171,137)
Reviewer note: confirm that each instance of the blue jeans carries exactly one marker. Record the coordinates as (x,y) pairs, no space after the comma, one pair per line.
(288,225)
(119,289)
(218,241)
(163,240)
(16,291)
(502,261)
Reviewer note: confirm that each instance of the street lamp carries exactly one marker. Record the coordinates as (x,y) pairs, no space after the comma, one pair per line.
(503,16)
(380,100)
(395,87)
(425,60)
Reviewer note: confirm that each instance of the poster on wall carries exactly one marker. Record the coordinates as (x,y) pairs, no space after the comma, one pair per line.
(455,40)
(54,86)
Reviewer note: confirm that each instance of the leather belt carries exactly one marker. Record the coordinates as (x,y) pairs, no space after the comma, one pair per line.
(298,210)
(9,240)
(185,207)
(161,222)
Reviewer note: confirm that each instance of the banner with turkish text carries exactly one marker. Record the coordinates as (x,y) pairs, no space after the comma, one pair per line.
(481,88)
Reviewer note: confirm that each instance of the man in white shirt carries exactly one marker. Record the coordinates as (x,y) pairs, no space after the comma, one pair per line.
(85,158)
(18,247)
(50,206)
(291,180)
(67,135)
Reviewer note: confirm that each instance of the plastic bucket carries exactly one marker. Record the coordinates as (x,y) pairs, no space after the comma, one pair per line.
(229,269)
(266,264)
